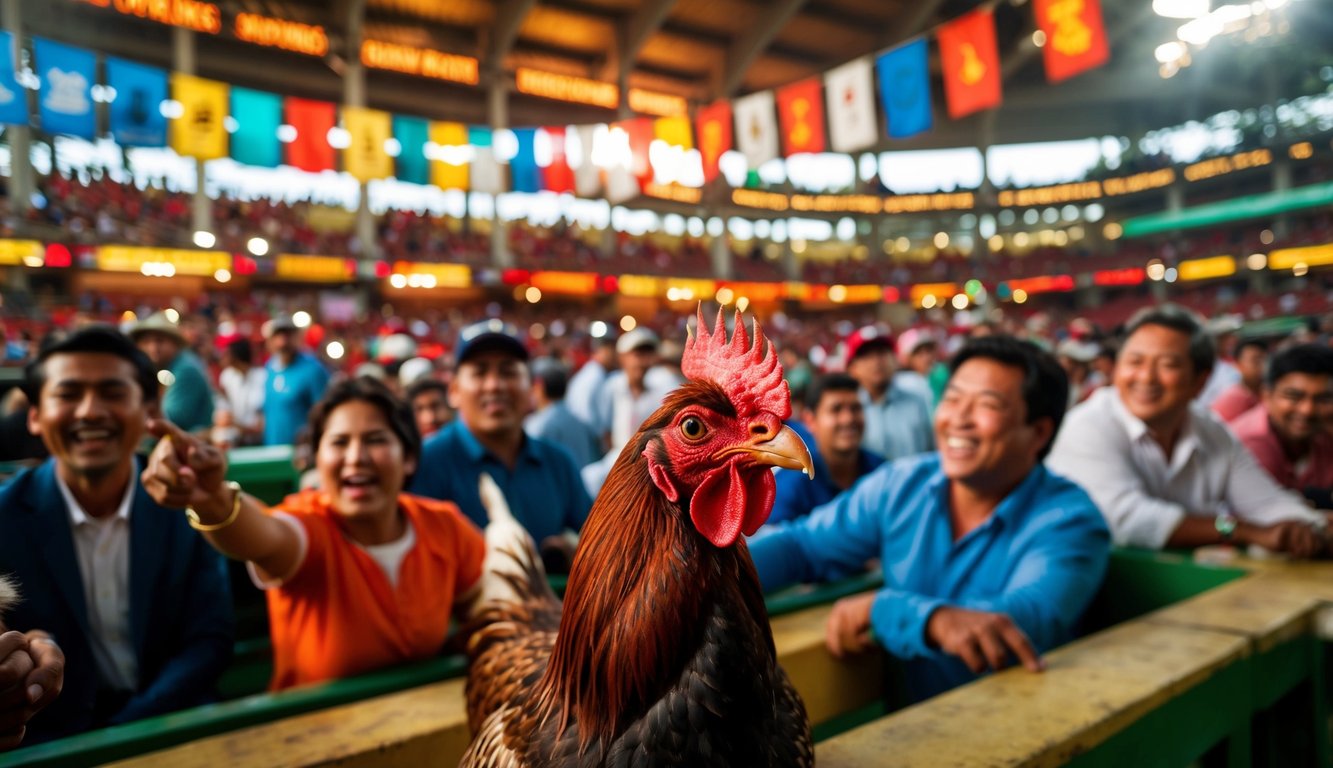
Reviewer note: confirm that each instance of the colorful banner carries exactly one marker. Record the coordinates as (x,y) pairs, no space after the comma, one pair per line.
(850,91)
(904,82)
(801,112)
(412,134)
(365,158)
(136,114)
(674,131)
(714,131)
(485,170)
(587,176)
(66,98)
(450,167)
(524,175)
(310,150)
(971,63)
(641,135)
(756,128)
(558,176)
(13,98)
(1075,37)
(199,131)
(258,115)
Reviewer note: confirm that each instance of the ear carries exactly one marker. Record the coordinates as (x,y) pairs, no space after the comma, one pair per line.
(34,427)
(660,478)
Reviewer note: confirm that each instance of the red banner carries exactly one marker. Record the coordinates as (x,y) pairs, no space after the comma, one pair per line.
(310,150)
(801,115)
(713,135)
(1075,37)
(641,134)
(971,63)
(558,176)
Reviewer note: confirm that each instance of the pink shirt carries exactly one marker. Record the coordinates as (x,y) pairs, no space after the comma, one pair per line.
(1234,401)
(1313,471)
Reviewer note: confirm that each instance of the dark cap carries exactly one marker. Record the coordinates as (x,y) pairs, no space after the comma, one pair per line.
(490,336)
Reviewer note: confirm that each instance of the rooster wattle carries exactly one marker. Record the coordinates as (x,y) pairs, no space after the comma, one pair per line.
(662,654)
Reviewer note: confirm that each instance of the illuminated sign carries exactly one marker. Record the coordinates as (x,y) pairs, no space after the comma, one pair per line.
(27,252)
(855,294)
(756,291)
(654,103)
(937,290)
(1042,284)
(1217,166)
(641,285)
(1302,151)
(1310,256)
(769,201)
(1206,269)
(440,275)
(318,269)
(579,90)
(1127,276)
(673,192)
(148,261)
(1086,190)
(1139,182)
(867,204)
(422,62)
(572,283)
(944,201)
(309,39)
(190,14)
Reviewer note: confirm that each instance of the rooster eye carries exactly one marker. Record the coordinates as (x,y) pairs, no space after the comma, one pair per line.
(692,428)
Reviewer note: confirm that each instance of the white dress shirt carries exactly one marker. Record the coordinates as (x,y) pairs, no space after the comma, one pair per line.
(103,550)
(1143,493)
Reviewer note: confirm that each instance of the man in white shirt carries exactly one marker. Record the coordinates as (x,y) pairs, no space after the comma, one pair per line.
(585,386)
(239,417)
(1166,474)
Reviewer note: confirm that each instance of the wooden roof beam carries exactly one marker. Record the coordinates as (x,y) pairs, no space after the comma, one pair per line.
(509,16)
(742,53)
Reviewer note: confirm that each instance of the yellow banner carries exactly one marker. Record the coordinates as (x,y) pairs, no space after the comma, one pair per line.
(446,275)
(450,139)
(129,258)
(675,131)
(317,269)
(1310,256)
(29,252)
(365,158)
(198,131)
(1205,269)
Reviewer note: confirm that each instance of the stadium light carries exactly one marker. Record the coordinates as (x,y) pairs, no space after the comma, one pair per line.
(204,239)
(257,246)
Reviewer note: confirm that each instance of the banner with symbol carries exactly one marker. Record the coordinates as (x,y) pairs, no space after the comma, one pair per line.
(13,98)
(365,157)
(756,128)
(1075,37)
(801,114)
(65,102)
(971,63)
(714,134)
(904,82)
(851,106)
(136,113)
(199,131)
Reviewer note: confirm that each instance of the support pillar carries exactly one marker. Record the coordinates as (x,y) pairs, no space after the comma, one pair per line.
(497,99)
(21,182)
(722,258)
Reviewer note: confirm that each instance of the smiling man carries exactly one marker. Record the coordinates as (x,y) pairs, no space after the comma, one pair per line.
(138,602)
(987,556)
(1164,472)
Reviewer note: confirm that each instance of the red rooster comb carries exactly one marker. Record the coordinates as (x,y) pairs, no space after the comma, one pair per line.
(749,373)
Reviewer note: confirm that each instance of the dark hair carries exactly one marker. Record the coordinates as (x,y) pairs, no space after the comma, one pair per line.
(1202,351)
(421,386)
(102,339)
(554,379)
(241,351)
(1258,344)
(373,391)
(1312,359)
(832,382)
(1045,383)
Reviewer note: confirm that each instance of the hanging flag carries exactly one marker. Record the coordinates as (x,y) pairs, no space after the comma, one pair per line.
(756,128)
(257,115)
(524,174)
(412,134)
(905,89)
(674,131)
(971,63)
(801,112)
(587,176)
(310,150)
(199,131)
(136,114)
(365,157)
(66,98)
(641,134)
(557,176)
(450,167)
(13,98)
(714,131)
(850,90)
(485,168)
(1075,37)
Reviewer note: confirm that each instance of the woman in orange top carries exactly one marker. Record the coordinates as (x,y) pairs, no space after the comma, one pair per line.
(359,575)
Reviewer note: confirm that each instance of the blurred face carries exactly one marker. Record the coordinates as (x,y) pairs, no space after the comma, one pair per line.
(872,368)
(1298,404)
(837,423)
(981,430)
(282,345)
(90,413)
(923,359)
(1154,376)
(490,393)
(636,363)
(1250,363)
(431,411)
(160,348)
(360,461)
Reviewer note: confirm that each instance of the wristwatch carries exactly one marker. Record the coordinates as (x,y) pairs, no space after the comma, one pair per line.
(1226,525)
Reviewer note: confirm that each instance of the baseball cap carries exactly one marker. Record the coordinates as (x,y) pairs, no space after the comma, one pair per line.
(278,324)
(490,335)
(639,337)
(158,322)
(1078,351)
(866,339)
(913,339)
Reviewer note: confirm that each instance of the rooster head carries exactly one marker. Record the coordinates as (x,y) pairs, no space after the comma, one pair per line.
(718,437)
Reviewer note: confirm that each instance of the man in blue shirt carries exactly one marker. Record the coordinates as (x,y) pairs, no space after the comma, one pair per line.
(553,421)
(187,398)
(986,554)
(296,381)
(836,421)
(489,391)
(897,416)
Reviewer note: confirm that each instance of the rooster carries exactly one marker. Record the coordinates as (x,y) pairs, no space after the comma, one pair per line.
(662,653)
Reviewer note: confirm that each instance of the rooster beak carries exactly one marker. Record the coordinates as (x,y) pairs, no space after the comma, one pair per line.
(786,450)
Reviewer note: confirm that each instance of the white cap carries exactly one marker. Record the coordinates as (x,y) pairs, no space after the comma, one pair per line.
(639,337)
(412,370)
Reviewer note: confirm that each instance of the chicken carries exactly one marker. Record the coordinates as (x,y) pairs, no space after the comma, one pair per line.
(9,596)
(663,654)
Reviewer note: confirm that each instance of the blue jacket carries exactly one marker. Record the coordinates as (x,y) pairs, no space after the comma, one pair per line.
(180,603)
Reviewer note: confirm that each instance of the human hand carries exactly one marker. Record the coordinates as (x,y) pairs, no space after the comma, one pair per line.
(1293,537)
(47,679)
(184,470)
(847,631)
(16,665)
(981,639)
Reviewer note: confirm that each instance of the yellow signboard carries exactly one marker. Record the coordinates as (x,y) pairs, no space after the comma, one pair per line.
(28,252)
(1207,269)
(315,269)
(1310,256)
(129,258)
(446,275)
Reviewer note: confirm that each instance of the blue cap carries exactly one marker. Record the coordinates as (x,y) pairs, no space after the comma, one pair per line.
(487,336)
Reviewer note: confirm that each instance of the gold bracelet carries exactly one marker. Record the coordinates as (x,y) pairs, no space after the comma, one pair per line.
(200,525)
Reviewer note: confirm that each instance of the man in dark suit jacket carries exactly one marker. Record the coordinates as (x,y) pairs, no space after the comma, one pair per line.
(138,601)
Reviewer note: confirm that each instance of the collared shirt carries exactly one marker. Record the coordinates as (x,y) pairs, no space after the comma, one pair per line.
(103,550)
(796,495)
(625,411)
(1234,401)
(899,425)
(243,394)
(1314,471)
(1144,493)
(543,489)
(585,388)
(188,400)
(557,424)
(1039,559)
(289,395)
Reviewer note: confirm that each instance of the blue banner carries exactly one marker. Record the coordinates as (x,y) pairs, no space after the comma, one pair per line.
(412,134)
(257,115)
(524,173)
(13,98)
(904,84)
(136,112)
(479,135)
(66,99)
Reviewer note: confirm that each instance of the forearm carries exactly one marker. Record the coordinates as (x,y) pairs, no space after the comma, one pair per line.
(253,536)
(1201,531)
